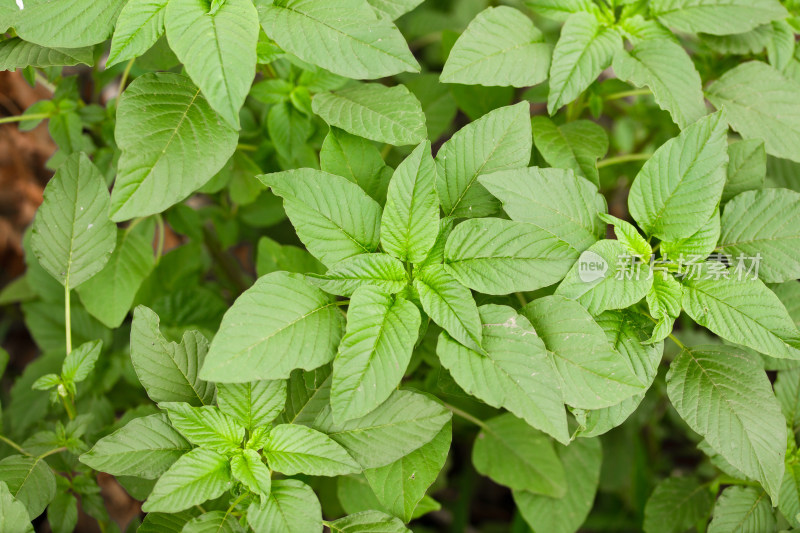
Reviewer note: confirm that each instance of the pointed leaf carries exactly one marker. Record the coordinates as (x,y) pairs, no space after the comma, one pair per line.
(139,26)
(292,507)
(379,271)
(717,17)
(30,481)
(205,426)
(198,476)
(575,145)
(248,468)
(677,503)
(292,449)
(253,404)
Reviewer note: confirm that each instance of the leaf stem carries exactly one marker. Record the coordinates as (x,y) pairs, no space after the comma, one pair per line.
(627,158)
(342,303)
(21,118)
(69,407)
(674,339)
(160,229)
(521,299)
(67,319)
(52,452)
(45,83)
(466,416)
(124,79)
(235,503)
(626,94)
(14,445)
(247,147)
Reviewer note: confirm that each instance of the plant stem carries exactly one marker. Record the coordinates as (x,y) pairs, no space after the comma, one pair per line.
(626,94)
(68,407)
(341,303)
(51,452)
(247,147)
(235,503)
(674,339)
(521,299)
(14,445)
(67,319)
(623,159)
(160,245)
(124,79)
(466,416)
(46,84)
(21,118)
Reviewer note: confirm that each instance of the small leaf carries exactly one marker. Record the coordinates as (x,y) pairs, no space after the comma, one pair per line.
(384,114)
(279,324)
(253,404)
(205,426)
(742,509)
(16,53)
(212,522)
(248,468)
(292,507)
(13,515)
(292,449)
(747,167)
(676,504)
(356,159)
(72,236)
(575,145)
(138,27)
(80,362)
(718,17)
(372,521)
(30,481)
(380,271)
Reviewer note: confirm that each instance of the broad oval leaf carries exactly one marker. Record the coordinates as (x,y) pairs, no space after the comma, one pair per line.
(725,396)
(279,324)
(678,189)
(496,256)
(742,510)
(552,199)
(374,352)
(252,404)
(333,217)
(144,447)
(492,48)
(514,373)
(72,236)
(592,374)
(164,130)
(217,48)
(67,23)
(293,449)
(198,476)
(168,370)
(30,481)
(344,36)
(499,140)
(13,514)
(677,503)
(389,115)
(139,26)
(292,507)
(717,17)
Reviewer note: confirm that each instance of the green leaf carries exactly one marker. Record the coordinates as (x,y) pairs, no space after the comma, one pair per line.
(144,447)
(279,324)
(368,522)
(559,10)
(449,304)
(606,276)
(16,53)
(374,352)
(108,296)
(717,17)
(308,394)
(67,23)
(552,199)
(346,37)
(213,522)
(760,104)
(356,159)
(80,362)
(575,145)
(765,223)
(584,50)
(665,68)
(789,503)
(747,167)
(380,271)
(743,311)
(139,26)
(400,486)
(410,220)
(62,513)
(384,114)
(492,48)
(271,257)
(13,515)
(514,373)
(499,140)
(725,396)
(166,522)
(677,504)
(168,370)
(697,246)
(629,236)
(742,510)
(248,468)
(198,476)
(292,507)
(252,404)
(205,426)
(292,449)
(218,50)
(164,131)
(592,374)
(30,481)
(581,461)
(515,455)
(787,390)
(664,302)
(678,189)
(72,236)
(496,256)
(627,332)
(372,440)
(333,217)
